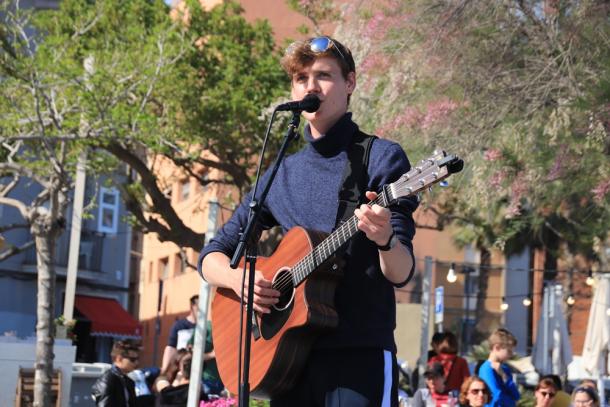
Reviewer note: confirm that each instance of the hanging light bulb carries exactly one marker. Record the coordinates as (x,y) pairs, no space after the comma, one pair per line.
(527,301)
(570,300)
(451,276)
(608,312)
(590,279)
(504,305)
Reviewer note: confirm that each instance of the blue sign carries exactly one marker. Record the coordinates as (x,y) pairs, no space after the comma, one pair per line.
(439,305)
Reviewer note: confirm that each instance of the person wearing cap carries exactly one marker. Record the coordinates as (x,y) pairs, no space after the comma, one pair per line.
(353,364)
(436,393)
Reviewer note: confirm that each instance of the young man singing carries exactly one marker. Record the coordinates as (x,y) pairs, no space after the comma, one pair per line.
(353,364)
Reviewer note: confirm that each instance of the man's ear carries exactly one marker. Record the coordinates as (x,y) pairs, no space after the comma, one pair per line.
(351,82)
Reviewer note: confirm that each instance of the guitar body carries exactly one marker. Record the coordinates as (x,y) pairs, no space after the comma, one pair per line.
(287,334)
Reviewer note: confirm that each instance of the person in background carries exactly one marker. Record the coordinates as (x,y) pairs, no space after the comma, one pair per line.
(496,373)
(114,388)
(474,392)
(588,383)
(212,384)
(585,396)
(561,399)
(455,367)
(435,394)
(545,392)
(176,395)
(180,333)
(171,375)
(436,340)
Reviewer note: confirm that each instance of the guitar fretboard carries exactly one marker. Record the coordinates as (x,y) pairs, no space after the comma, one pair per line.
(333,242)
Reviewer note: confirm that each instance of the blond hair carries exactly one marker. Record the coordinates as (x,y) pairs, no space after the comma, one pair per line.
(503,338)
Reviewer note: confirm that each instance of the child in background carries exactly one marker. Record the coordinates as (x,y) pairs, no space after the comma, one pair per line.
(455,367)
(496,373)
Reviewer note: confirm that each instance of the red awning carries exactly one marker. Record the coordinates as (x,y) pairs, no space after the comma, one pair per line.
(107,316)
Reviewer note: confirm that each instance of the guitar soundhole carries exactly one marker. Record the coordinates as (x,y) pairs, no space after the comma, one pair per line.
(273,322)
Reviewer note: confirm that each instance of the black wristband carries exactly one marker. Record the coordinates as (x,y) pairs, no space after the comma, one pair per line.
(389,245)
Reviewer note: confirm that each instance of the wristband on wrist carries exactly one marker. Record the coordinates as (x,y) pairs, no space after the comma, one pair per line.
(391,243)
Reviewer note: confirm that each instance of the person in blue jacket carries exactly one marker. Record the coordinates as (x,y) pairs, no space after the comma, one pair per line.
(496,373)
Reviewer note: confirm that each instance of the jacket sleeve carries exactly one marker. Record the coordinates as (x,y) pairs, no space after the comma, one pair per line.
(103,392)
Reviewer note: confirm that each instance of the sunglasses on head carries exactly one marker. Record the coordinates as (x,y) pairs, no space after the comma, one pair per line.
(320,45)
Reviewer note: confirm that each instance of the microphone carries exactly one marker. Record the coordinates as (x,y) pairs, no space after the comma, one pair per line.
(310,104)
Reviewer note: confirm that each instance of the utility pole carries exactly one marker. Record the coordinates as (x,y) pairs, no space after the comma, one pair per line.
(425,319)
(77,212)
(202,317)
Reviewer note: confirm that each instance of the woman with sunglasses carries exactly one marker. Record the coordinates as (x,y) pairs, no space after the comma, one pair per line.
(585,396)
(353,364)
(545,392)
(474,392)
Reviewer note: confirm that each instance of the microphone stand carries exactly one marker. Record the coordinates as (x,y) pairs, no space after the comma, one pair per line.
(245,244)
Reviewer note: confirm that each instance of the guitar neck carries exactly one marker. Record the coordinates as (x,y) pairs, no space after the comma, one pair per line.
(333,242)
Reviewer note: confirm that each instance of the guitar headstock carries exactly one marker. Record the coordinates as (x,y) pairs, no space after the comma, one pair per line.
(426,173)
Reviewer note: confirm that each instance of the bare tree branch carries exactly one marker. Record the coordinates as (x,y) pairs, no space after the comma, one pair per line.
(13,250)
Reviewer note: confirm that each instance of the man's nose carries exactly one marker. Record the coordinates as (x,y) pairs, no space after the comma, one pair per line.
(313,85)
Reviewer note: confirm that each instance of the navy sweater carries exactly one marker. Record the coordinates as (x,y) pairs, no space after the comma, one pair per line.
(305,193)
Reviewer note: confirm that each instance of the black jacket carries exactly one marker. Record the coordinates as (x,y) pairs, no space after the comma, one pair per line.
(114,389)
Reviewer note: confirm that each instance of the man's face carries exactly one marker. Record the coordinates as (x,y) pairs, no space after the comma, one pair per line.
(195,308)
(436,383)
(324,79)
(128,362)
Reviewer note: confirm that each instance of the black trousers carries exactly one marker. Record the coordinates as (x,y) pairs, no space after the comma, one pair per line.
(345,378)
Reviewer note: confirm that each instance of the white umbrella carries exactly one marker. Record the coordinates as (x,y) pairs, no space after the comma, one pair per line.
(597,339)
(552,352)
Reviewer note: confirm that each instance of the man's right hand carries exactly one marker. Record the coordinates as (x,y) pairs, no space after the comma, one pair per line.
(264,295)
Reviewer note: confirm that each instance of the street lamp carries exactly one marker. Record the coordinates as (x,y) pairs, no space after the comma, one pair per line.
(504,305)
(451,276)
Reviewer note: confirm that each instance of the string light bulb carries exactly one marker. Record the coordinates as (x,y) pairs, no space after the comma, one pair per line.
(570,300)
(527,301)
(504,305)
(451,276)
(608,311)
(589,281)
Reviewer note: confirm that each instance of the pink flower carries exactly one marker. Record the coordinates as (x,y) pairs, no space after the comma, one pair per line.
(492,154)
(437,112)
(374,62)
(495,181)
(218,403)
(601,190)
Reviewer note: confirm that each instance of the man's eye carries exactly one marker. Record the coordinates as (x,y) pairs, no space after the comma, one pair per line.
(301,78)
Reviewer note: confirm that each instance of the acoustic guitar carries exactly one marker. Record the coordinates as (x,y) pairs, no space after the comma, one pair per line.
(303,270)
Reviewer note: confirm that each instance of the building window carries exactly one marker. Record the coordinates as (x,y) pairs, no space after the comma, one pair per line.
(164,268)
(185,189)
(108,215)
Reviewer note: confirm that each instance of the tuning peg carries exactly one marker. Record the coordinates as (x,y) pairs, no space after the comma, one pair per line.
(418,197)
(443,183)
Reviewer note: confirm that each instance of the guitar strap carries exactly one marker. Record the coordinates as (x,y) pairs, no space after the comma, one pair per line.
(355,176)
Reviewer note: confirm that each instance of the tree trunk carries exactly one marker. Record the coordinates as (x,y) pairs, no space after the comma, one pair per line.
(481,313)
(45,328)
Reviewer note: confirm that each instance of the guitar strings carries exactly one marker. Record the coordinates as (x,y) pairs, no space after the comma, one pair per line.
(286,281)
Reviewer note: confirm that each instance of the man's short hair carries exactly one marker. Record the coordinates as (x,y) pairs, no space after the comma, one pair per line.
(503,338)
(194,299)
(300,55)
(124,347)
(448,344)
(434,370)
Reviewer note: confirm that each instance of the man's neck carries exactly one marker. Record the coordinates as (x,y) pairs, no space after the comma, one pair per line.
(191,318)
